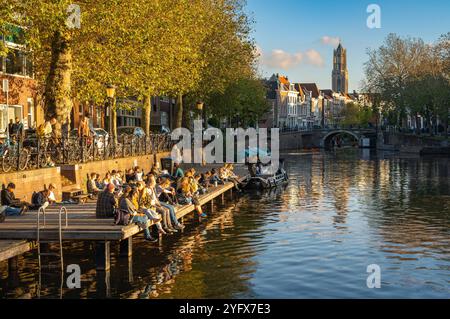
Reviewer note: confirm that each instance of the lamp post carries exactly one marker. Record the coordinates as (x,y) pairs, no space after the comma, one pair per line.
(111,94)
(200,109)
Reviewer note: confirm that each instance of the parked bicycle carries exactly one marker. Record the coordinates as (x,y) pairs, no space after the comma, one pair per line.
(13,155)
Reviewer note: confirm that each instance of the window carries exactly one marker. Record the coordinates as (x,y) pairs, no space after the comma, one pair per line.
(17,62)
(30,113)
(15,35)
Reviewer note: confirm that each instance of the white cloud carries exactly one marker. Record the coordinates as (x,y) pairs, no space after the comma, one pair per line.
(333,41)
(314,58)
(281,59)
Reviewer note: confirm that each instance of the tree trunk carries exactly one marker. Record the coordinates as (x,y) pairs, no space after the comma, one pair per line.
(146,114)
(179,112)
(58,99)
(417,125)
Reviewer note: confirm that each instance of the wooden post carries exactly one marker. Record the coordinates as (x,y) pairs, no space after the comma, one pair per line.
(223,198)
(212,205)
(130,269)
(126,247)
(103,284)
(13,264)
(103,256)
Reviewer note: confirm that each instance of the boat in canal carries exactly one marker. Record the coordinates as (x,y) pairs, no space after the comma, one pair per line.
(262,177)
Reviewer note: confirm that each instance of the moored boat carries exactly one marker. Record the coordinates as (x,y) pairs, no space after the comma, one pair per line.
(265,180)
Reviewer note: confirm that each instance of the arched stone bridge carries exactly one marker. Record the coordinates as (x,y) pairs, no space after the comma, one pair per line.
(321,138)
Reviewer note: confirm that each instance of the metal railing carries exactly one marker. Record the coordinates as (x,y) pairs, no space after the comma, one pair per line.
(34,152)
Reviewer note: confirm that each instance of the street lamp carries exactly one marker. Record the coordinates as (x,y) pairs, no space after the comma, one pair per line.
(110,91)
(200,109)
(111,94)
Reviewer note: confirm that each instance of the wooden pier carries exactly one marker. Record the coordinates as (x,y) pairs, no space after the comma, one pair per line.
(82,225)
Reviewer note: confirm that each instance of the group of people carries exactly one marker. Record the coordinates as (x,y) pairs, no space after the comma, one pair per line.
(154,196)
(13,206)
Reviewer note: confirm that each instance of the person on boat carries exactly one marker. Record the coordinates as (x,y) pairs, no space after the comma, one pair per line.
(106,203)
(126,205)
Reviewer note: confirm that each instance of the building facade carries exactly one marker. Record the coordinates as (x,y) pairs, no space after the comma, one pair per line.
(18,87)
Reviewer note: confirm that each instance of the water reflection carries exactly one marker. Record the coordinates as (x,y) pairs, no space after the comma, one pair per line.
(314,238)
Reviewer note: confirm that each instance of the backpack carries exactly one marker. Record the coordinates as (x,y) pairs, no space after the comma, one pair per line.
(37,199)
(122,217)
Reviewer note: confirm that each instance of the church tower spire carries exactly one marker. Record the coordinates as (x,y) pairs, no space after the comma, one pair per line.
(340,72)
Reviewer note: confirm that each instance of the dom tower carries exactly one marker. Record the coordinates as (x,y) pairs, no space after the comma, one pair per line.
(340,72)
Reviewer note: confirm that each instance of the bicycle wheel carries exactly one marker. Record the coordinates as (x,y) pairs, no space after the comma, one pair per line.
(24,157)
(6,163)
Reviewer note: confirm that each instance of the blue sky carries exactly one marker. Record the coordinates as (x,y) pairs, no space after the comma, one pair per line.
(290,33)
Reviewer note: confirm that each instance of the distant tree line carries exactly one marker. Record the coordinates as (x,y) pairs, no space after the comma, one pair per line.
(411,78)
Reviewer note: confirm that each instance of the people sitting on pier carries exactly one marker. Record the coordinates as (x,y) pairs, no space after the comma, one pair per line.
(156,206)
(187,197)
(99,183)
(116,179)
(156,169)
(145,205)
(126,204)
(107,180)
(215,179)
(173,225)
(91,185)
(130,176)
(51,193)
(166,193)
(201,190)
(204,180)
(138,174)
(15,206)
(230,176)
(179,173)
(40,199)
(106,203)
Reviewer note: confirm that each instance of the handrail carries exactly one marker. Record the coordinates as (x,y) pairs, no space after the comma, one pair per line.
(61,210)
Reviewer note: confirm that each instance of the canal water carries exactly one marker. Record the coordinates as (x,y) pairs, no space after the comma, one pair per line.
(341,212)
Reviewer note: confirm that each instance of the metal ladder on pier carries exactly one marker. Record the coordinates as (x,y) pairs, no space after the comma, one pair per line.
(59,242)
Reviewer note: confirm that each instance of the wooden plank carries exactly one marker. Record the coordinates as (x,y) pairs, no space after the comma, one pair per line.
(13,248)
